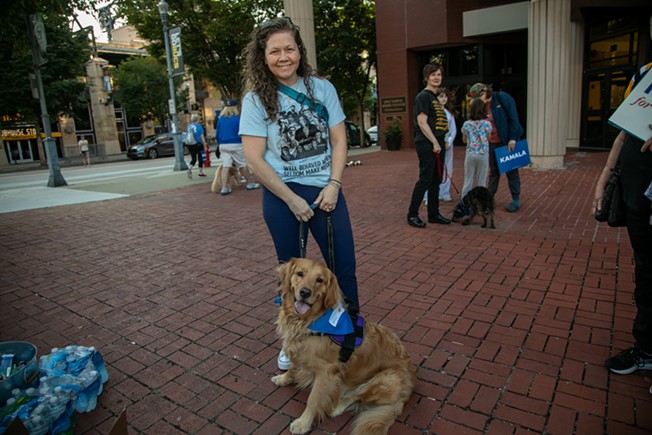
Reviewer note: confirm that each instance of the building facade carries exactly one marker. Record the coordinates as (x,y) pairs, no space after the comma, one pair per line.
(108,128)
(566,62)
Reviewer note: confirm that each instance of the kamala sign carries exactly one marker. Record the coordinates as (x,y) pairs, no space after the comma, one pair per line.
(516,159)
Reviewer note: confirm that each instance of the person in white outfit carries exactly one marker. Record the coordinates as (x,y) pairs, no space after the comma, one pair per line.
(446,99)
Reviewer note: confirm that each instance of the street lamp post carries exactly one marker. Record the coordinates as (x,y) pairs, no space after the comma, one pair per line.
(179,161)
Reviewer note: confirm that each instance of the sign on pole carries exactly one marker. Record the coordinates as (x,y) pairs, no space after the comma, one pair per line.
(177,56)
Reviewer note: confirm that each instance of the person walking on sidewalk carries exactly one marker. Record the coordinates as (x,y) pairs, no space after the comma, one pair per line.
(230,145)
(635,160)
(431,126)
(84,151)
(195,142)
(300,189)
(506,130)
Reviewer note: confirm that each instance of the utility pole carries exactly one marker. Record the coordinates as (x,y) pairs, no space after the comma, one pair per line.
(39,48)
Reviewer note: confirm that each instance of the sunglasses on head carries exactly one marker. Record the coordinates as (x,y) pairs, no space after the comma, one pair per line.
(276,22)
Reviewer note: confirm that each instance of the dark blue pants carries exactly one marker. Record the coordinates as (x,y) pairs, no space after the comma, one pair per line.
(284,229)
(430,171)
(513,177)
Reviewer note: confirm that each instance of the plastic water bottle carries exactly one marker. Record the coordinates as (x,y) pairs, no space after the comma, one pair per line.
(37,425)
(98,362)
(77,358)
(54,363)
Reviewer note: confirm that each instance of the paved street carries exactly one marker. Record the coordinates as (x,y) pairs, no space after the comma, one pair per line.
(508,328)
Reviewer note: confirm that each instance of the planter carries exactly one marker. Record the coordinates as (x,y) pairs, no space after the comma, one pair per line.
(394,144)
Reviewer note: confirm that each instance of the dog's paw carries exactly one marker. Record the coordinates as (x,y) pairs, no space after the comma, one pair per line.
(300,425)
(281,380)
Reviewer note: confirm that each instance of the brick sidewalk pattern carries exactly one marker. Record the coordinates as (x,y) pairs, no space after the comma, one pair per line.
(509,328)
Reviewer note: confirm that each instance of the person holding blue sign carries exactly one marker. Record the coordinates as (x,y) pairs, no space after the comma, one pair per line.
(506,131)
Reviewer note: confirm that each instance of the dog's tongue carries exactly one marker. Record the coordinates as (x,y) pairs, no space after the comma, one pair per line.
(301,307)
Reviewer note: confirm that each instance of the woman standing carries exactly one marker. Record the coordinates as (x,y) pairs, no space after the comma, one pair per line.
(430,130)
(302,187)
(230,144)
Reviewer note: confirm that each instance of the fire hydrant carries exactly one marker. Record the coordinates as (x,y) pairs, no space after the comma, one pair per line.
(206,155)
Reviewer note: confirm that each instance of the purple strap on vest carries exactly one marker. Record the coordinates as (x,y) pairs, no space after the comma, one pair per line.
(339,339)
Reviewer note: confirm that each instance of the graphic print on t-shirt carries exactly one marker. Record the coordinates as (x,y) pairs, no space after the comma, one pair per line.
(303,134)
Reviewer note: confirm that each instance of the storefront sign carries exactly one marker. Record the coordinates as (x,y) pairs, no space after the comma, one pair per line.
(22,133)
(393,105)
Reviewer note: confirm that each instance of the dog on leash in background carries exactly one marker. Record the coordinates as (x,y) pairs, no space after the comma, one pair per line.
(479,201)
(375,382)
(234,178)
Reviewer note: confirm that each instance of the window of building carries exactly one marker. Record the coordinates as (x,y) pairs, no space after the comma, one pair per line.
(613,42)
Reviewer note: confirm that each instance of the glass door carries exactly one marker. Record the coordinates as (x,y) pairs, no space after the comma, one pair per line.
(603,93)
(20,151)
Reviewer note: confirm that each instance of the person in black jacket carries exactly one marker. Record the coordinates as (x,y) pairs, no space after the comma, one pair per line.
(635,159)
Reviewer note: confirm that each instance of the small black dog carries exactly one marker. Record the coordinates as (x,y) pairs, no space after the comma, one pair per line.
(479,201)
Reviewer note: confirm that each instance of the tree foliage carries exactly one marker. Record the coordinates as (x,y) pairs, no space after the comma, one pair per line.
(66,54)
(213,33)
(142,87)
(345,33)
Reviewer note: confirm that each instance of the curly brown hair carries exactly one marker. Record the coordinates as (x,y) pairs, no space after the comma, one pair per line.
(257,76)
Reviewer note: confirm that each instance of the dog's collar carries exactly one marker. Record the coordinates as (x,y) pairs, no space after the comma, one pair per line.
(333,322)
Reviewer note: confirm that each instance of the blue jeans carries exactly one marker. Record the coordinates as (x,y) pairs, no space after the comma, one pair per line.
(284,228)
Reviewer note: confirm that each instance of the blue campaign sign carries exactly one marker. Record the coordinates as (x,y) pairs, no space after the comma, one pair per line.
(516,159)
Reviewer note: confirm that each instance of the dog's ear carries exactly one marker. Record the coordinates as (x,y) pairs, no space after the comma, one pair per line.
(333,292)
(285,272)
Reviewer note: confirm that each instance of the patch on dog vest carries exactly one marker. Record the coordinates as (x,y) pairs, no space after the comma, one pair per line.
(332,322)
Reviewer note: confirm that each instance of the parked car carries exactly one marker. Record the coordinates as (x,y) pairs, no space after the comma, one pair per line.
(151,147)
(353,136)
(373,134)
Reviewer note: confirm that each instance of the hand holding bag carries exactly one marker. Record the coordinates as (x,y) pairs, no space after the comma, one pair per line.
(612,208)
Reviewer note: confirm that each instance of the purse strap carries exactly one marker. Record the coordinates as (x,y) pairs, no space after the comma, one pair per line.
(304,100)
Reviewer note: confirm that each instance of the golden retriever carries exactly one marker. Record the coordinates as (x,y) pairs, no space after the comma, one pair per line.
(234,176)
(376,381)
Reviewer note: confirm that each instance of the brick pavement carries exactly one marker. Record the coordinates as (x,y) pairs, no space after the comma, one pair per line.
(509,327)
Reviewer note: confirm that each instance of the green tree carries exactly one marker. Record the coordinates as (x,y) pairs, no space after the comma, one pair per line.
(142,87)
(345,33)
(213,33)
(66,54)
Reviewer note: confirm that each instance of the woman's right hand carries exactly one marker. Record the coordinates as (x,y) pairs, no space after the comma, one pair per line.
(300,208)
(599,190)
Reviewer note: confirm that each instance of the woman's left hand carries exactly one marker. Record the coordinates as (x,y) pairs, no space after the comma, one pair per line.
(327,199)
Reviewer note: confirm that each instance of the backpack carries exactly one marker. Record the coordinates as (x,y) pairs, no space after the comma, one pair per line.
(189,135)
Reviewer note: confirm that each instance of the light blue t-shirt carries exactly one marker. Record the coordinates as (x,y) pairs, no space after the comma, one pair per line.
(298,143)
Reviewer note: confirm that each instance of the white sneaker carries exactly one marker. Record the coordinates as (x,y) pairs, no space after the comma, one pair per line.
(253,186)
(225,191)
(243,179)
(283,361)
